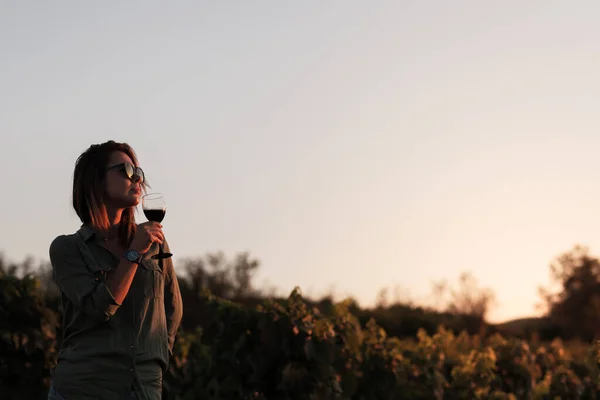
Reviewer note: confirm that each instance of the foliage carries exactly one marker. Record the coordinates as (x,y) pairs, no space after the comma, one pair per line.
(575,307)
(240,345)
(233,280)
(28,329)
(468,300)
(290,350)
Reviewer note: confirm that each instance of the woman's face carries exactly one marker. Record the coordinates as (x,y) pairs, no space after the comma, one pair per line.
(121,191)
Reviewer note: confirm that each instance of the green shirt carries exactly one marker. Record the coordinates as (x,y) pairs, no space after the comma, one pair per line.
(110,348)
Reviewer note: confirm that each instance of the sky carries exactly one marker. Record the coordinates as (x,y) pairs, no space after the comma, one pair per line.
(349,146)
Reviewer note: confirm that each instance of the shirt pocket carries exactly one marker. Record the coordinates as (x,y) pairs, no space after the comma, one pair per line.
(98,271)
(154,280)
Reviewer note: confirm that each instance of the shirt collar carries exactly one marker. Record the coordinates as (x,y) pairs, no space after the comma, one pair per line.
(86,232)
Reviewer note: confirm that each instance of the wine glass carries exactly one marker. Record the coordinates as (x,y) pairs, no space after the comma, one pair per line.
(155,208)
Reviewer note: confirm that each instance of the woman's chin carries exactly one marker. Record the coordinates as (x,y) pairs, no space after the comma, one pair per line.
(124,200)
(129,201)
(135,200)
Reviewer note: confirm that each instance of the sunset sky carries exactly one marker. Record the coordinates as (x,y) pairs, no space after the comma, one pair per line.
(347,145)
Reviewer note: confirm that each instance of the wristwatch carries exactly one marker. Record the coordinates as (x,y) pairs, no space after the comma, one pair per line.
(133,256)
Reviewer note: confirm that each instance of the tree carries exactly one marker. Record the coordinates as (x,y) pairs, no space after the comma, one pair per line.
(469,302)
(469,299)
(28,333)
(575,306)
(223,278)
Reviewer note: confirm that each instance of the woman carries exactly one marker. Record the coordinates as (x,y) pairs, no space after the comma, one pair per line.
(121,308)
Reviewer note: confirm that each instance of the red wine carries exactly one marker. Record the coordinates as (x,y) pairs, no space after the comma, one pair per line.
(155,215)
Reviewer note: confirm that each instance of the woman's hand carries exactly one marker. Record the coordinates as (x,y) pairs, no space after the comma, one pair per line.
(146,234)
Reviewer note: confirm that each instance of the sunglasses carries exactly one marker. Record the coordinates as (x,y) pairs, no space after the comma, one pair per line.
(130,171)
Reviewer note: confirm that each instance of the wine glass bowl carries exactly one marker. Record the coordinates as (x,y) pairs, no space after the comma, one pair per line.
(155,208)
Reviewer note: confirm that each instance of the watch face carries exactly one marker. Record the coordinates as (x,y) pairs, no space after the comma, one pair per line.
(132,255)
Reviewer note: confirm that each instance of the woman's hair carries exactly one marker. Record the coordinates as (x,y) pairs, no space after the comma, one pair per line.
(89,188)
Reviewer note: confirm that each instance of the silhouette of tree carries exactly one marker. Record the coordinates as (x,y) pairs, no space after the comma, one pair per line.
(28,329)
(227,279)
(214,273)
(469,299)
(469,302)
(575,307)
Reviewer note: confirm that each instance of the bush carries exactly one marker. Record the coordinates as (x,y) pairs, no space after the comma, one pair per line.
(28,346)
(288,349)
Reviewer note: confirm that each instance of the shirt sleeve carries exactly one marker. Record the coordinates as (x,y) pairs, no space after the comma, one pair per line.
(173,302)
(85,290)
